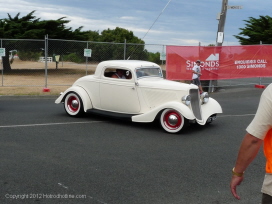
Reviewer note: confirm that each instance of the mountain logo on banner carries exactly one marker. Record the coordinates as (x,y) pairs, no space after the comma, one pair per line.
(213,57)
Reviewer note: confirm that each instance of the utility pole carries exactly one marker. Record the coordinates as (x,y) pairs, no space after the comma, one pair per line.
(222,20)
(220,35)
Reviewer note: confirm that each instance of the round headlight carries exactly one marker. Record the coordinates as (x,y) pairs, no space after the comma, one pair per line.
(204,97)
(186,100)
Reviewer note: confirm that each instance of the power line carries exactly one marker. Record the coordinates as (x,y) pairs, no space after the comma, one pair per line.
(157,18)
(152,25)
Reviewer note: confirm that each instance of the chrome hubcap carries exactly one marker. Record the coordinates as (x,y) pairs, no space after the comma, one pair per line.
(74,104)
(173,120)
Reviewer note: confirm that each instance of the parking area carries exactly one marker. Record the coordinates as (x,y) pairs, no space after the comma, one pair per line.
(49,157)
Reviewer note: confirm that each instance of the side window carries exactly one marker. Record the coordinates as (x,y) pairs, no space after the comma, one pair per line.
(117,73)
(109,72)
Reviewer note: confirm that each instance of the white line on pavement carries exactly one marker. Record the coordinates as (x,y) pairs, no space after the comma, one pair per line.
(60,184)
(234,115)
(68,123)
(47,124)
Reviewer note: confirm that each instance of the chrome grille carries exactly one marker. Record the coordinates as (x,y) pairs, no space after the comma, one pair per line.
(195,103)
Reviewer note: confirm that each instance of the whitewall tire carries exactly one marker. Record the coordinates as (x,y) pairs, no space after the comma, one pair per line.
(73,104)
(172,121)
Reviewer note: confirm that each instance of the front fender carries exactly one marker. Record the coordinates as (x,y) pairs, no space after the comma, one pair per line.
(150,115)
(208,109)
(86,100)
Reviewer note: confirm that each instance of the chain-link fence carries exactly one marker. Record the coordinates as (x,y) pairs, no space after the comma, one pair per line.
(25,64)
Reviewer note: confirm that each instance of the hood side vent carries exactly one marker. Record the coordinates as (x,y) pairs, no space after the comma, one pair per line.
(158,97)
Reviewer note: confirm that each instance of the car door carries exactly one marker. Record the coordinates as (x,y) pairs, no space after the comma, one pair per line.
(118,94)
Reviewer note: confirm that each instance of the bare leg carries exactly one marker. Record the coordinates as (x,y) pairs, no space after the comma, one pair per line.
(200,89)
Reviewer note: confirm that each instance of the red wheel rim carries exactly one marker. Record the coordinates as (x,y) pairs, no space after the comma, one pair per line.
(73,103)
(172,120)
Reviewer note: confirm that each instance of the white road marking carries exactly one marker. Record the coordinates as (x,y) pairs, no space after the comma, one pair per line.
(63,185)
(68,123)
(47,124)
(221,116)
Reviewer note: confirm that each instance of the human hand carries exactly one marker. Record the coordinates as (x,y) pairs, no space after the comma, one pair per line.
(235,181)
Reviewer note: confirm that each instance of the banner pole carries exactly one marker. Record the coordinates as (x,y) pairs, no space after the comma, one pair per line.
(46,89)
(2,67)
(125,45)
(260,86)
(87,60)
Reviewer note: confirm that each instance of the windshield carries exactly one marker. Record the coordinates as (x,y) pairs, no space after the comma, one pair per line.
(149,72)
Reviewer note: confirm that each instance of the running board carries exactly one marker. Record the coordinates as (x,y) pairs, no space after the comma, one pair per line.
(123,116)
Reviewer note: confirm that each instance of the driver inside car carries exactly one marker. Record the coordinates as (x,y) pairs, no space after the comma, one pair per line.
(119,74)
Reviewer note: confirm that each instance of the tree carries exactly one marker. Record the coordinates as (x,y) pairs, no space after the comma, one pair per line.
(119,35)
(30,27)
(257,30)
(92,35)
(154,57)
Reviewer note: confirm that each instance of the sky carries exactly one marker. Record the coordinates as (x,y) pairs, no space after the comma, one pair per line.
(163,22)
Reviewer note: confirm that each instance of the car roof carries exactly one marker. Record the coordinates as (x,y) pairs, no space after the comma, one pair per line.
(129,64)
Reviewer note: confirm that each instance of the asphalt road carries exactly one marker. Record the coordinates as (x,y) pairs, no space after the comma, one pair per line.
(49,157)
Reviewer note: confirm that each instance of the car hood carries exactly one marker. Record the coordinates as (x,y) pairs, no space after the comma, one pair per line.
(160,83)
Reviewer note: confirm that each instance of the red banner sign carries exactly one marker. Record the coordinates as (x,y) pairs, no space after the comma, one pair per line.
(224,62)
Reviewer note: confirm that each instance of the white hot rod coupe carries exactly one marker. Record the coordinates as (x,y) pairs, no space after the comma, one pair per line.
(137,90)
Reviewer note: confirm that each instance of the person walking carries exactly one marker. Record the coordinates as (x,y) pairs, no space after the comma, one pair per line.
(259,132)
(196,76)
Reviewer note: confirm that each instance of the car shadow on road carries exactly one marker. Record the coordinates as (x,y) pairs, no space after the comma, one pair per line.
(152,127)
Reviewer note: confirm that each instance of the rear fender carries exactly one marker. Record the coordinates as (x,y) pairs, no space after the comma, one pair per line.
(86,100)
